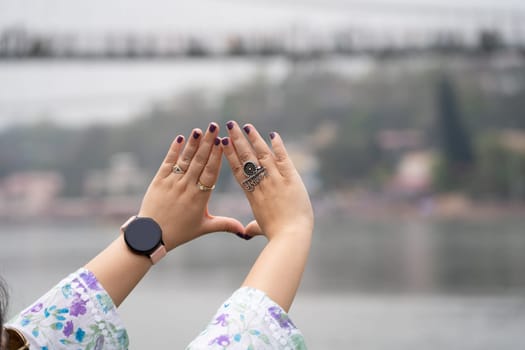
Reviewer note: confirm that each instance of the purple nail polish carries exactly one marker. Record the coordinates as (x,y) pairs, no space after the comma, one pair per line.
(225,141)
(212,127)
(272,135)
(196,134)
(246,129)
(217,141)
(229,125)
(243,236)
(180,139)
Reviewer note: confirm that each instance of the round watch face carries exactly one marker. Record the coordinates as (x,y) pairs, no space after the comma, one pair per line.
(143,235)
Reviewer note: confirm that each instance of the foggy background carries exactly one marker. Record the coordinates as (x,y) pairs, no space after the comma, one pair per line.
(405,118)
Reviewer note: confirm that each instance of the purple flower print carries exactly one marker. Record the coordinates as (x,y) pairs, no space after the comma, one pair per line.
(284,321)
(36,308)
(222,320)
(90,280)
(68,329)
(78,307)
(79,287)
(222,340)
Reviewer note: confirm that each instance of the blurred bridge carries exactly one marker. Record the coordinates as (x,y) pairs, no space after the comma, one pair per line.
(441,28)
(18,43)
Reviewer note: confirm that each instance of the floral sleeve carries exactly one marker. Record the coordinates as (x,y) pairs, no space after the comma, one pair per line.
(250,320)
(75,314)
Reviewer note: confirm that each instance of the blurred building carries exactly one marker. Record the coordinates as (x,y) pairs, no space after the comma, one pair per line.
(400,140)
(29,193)
(123,177)
(414,172)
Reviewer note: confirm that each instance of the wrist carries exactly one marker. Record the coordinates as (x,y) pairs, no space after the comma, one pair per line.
(298,234)
(143,237)
(296,229)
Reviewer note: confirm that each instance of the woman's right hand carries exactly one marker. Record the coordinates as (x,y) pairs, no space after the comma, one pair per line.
(280,202)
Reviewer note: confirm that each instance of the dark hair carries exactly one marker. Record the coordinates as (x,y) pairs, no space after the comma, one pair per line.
(3,304)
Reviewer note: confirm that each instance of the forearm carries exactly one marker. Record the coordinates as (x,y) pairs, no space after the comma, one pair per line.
(279,268)
(118,270)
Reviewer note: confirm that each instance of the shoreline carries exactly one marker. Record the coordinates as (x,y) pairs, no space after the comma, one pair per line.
(347,204)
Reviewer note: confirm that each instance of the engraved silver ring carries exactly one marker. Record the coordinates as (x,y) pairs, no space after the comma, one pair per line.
(254,175)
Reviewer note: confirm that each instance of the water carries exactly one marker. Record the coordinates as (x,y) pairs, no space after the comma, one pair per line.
(390,284)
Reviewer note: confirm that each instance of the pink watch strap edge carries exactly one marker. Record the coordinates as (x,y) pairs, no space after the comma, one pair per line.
(158,254)
(126,224)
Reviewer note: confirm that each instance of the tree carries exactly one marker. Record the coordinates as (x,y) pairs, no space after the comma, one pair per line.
(454,140)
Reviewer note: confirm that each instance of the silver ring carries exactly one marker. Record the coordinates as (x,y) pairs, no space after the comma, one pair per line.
(249,168)
(205,188)
(254,175)
(177,169)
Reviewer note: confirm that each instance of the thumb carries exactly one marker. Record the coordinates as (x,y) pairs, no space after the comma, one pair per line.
(223,224)
(253,229)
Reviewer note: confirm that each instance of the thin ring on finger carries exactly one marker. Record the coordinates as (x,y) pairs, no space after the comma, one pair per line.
(205,188)
(178,170)
(188,153)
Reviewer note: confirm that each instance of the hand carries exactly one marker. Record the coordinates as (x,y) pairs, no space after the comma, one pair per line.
(179,202)
(280,202)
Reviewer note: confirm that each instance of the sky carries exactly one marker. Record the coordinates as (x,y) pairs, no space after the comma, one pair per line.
(233,15)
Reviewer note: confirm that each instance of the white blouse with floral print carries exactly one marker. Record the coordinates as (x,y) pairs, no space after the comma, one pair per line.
(79,314)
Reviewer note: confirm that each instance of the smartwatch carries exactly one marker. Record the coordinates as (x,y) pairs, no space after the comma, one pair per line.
(143,236)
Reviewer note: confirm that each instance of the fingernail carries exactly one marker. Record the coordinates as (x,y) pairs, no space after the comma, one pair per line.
(272,135)
(243,236)
(225,141)
(179,139)
(229,125)
(212,127)
(196,134)
(246,129)
(217,141)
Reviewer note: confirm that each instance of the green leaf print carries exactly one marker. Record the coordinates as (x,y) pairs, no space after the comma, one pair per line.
(298,342)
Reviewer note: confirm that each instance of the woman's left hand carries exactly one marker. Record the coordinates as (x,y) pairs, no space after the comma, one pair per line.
(178,200)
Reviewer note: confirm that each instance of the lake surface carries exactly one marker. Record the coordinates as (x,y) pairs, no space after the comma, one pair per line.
(390,284)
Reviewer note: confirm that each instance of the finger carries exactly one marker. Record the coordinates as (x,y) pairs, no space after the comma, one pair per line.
(242,147)
(282,160)
(233,160)
(209,175)
(189,151)
(171,158)
(253,229)
(200,159)
(263,152)
(222,224)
